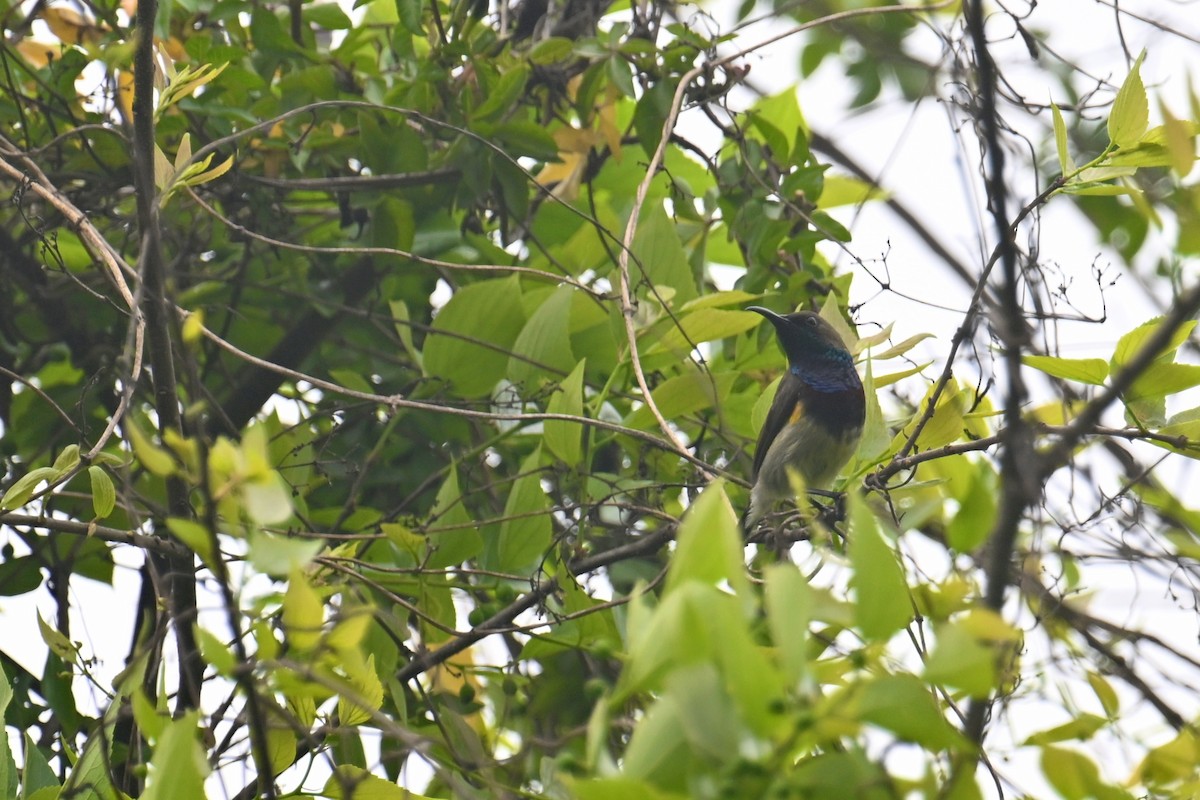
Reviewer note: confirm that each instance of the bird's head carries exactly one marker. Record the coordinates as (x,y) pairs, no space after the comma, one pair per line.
(805,336)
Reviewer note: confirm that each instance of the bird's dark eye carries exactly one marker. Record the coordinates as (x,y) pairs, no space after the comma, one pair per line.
(811,321)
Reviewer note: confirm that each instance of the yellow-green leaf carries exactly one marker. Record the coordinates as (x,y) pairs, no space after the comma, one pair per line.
(564,439)
(104,494)
(353,783)
(58,643)
(303,613)
(1066,165)
(1130,343)
(1085,370)
(1130,113)
(194,535)
(22,489)
(882,603)
(215,651)
(155,459)
(67,460)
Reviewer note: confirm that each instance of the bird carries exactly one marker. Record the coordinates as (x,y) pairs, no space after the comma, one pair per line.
(816,419)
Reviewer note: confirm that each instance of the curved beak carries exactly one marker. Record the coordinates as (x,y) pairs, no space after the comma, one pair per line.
(768,313)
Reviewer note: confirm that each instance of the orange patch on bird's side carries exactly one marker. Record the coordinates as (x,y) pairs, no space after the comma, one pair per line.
(797,412)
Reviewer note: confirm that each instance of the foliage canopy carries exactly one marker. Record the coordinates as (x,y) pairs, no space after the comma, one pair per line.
(399,352)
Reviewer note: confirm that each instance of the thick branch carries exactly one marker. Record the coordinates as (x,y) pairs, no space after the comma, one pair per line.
(1019,487)
(176,579)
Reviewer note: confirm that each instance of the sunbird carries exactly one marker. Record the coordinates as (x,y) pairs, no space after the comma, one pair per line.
(816,418)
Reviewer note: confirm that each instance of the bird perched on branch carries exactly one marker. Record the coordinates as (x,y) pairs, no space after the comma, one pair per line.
(816,419)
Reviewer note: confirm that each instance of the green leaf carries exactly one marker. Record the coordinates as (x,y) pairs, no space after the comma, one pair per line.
(155,459)
(19,575)
(1073,775)
(278,555)
(875,437)
(67,460)
(841,190)
(551,50)
(37,774)
(682,395)
(709,544)
(503,94)
(303,613)
(620,787)
(468,343)
(789,604)
(1065,163)
(1171,762)
(658,749)
(357,707)
(193,535)
(651,112)
(8,767)
(1105,693)
(621,75)
(1129,344)
(659,256)
(900,348)
(782,113)
(1130,113)
(354,783)
(976,509)
(1163,380)
(104,495)
(216,652)
(1083,727)
(1180,138)
(526,531)
(960,660)
(23,488)
(882,602)
(1093,371)
(461,540)
(59,644)
(563,439)
(905,706)
(267,500)
(543,348)
(705,325)
(945,426)
(524,138)
(178,767)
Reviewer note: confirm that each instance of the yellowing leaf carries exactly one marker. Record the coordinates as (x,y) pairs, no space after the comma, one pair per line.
(303,613)
(353,783)
(842,190)
(367,697)
(1181,141)
(564,177)
(38,54)
(70,26)
(58,643)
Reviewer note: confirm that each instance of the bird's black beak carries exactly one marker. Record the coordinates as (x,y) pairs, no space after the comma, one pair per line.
(776,319)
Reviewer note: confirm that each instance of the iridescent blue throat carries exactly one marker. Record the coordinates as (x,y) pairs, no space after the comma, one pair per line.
(832,371)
